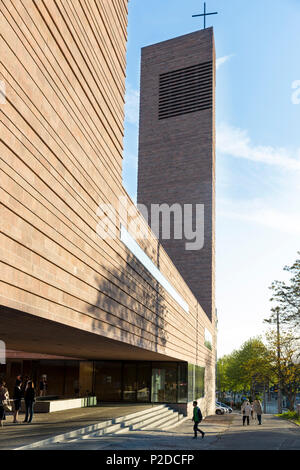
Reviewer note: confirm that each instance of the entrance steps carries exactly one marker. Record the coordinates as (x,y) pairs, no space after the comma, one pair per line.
(160,417)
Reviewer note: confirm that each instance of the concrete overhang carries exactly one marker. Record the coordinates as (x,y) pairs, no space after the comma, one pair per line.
(25,332)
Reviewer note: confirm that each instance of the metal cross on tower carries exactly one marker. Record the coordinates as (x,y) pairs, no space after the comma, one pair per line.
(205,15)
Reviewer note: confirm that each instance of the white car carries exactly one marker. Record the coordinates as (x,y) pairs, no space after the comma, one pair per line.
(220,410)
(228,408)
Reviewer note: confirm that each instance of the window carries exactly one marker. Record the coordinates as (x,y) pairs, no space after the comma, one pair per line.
(182,382)
(208,339)
(199,382)
(196,382)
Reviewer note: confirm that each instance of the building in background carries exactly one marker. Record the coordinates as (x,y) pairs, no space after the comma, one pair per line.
(105,315)
(177,151)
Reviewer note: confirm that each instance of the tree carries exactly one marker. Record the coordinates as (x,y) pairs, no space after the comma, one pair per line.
(286,366)
(252,365)
(246,368)
(287,297)
(227,380)
(222,381)
(233,372)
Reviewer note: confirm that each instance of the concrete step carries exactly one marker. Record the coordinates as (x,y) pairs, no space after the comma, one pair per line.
(124,424)
(150,419)
(111,429)
(165,422)
(172,421)
(165,419)
(129,422)
(181,418)
(137,414)
(137,422)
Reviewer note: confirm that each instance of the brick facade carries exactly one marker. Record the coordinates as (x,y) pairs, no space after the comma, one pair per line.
(64,291)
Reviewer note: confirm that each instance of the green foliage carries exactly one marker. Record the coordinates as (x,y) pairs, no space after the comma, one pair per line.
(291,416)
(284,354)
(257,364)
(245,368)
(224,382)
(287,298)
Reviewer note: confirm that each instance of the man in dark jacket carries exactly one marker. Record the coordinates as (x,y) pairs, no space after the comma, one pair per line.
(197,418)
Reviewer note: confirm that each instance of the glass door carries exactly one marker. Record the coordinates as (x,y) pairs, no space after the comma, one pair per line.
(129,382)
(86,372)
(108,381)
(143,382)
(158,385)
(164,383)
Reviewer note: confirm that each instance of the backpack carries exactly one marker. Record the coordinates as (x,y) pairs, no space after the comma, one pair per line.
(200,415)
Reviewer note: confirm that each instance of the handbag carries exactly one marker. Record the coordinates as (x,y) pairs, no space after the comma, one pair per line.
(7,406)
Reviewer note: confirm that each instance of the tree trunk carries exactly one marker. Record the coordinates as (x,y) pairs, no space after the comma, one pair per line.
(291,395)
(292,399)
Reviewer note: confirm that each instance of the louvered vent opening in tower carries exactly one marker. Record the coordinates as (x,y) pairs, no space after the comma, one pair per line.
(186,90)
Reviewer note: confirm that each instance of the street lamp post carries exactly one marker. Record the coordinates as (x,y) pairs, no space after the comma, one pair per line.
(279,403)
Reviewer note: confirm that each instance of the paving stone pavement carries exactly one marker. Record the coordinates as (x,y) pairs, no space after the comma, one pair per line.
(274,434)
(222,433)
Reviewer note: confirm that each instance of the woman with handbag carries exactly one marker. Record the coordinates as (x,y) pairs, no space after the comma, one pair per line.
(257,406)
(29,397)
(246,412)
(17,398)
(4,404)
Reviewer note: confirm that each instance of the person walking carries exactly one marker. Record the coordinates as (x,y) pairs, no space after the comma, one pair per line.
(257,408)
(17,397)
(29,401)
(197,418)
(43,386)
(4,397)
(246,412)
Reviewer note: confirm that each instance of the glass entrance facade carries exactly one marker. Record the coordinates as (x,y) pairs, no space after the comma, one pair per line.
(113,381)
(164,383)
(108,381)
(134,382)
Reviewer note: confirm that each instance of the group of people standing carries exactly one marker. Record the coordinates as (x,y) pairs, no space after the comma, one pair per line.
(248,409)
(251,409)
(22,389)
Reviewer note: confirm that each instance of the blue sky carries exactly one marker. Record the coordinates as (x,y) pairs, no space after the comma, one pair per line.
(258,143)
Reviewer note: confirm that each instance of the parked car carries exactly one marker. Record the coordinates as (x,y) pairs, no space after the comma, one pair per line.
(220,410)
(229,409)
